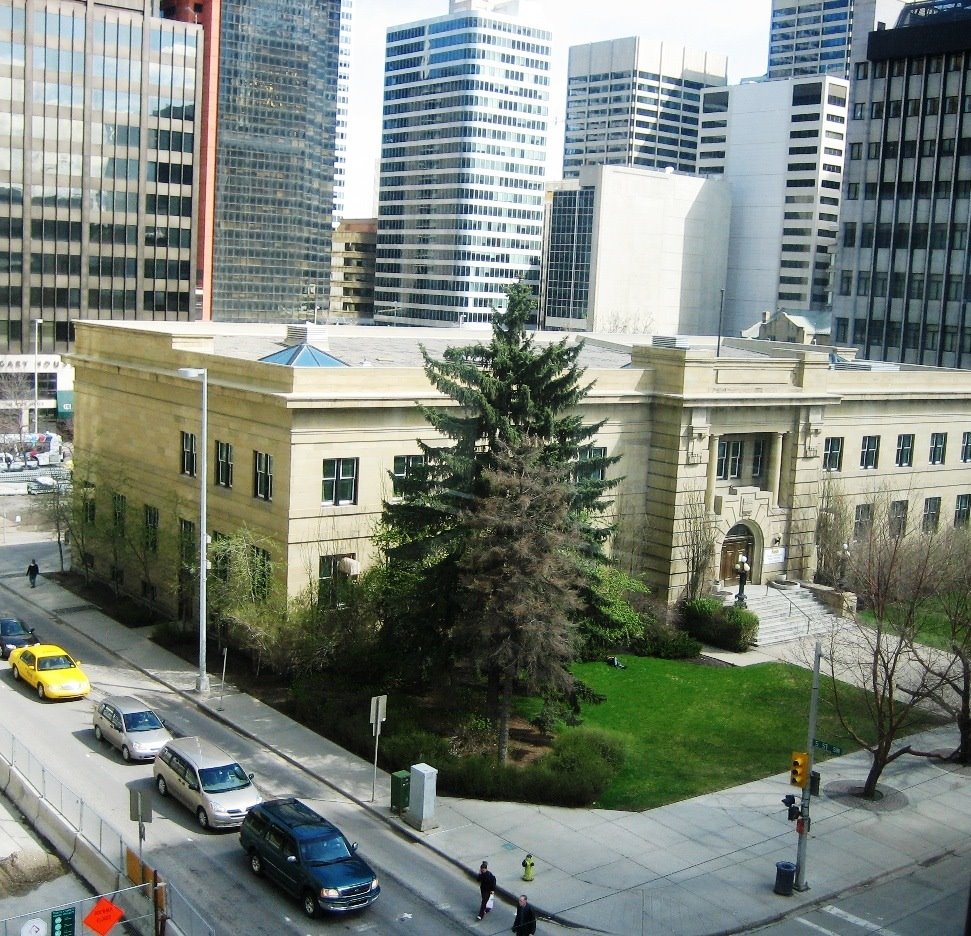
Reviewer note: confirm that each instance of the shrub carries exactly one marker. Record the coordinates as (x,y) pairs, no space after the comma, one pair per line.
(698,612)
(726,627)
(740,628)
(666,643)
(400,750)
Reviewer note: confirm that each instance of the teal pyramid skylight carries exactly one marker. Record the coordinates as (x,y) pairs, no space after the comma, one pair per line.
(302,355)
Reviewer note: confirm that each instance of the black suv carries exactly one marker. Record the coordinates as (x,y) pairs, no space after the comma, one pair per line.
(307,856)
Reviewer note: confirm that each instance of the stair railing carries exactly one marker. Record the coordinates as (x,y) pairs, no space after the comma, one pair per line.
(794,607)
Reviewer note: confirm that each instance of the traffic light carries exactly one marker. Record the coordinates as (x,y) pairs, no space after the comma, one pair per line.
(789,801)
(799,774)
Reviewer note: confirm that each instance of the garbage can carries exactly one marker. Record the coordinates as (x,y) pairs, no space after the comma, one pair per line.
(400,790)
(785,877)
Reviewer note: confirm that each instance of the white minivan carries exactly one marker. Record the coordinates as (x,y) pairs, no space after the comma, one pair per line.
(207,780)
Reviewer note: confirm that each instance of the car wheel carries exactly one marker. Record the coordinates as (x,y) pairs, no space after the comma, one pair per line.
(255,863)
(125,753)
(16,673)
(160,785)
(202,817)
(310,904)
(40,691)
(98,736)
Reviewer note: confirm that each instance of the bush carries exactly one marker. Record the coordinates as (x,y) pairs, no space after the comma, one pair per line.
(400,750)
(725,627)
(666,643)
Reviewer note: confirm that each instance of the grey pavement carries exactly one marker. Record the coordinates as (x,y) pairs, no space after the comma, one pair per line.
(704,865)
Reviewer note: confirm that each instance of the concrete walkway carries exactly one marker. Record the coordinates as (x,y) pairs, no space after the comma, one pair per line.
(701,866)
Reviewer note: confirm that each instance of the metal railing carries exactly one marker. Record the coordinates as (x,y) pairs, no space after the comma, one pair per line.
(794,607)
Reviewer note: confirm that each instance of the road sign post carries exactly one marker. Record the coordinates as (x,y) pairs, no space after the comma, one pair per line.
(379,708)
(802,826)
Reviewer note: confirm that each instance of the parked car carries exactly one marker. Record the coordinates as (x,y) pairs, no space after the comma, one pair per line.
(45,485)
(206,780)
(308,857)
(131,726)
(14,633)
(51,670)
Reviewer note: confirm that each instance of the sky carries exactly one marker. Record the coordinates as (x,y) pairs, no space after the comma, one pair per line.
(738,29)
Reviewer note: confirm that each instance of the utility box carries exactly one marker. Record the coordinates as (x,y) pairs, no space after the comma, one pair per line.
(421,800)
(400,785)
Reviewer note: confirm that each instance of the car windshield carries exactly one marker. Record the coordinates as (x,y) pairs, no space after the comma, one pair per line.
(13,628)
(142,721)
(325,850)
(63,661)
(223,779)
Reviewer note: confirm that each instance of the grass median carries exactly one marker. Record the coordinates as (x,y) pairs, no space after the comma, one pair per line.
(691,729)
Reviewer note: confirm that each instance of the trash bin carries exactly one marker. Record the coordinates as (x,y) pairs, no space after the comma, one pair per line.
(400,790)
(785,877)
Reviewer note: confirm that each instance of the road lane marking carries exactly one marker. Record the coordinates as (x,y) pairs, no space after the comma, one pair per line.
(859,921)
(819,929)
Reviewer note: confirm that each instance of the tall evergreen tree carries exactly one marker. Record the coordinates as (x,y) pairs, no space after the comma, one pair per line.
(511,392)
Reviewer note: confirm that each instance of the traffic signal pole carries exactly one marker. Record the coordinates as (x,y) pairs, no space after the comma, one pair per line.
(802,825)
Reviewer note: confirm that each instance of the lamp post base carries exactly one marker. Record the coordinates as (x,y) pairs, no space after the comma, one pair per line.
(740,601)
(202,685)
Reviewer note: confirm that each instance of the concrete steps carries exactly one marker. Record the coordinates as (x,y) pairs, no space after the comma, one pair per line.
(786,613)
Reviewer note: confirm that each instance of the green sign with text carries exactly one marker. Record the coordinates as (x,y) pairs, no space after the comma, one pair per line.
(828,748)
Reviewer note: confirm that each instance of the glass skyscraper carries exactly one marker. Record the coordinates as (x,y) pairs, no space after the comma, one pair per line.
(462,163)
(97,178)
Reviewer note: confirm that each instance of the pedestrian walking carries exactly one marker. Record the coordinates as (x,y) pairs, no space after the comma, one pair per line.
(525,924)
(33,570)
(487,889)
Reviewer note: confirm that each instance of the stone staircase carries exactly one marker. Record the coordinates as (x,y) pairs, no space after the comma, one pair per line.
(786,612)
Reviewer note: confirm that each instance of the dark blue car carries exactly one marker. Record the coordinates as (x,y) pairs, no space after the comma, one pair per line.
(14,633)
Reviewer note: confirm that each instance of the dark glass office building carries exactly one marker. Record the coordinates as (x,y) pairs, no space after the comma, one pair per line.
(97,181)
(270,154)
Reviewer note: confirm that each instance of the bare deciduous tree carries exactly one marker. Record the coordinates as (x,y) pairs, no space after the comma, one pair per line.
(834,528)
(697,535)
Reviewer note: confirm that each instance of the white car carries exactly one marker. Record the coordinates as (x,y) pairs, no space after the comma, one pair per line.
(131,726)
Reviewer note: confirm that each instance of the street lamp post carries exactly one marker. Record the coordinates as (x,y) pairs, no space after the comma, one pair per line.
(742,568)
(37,324)
(200,373)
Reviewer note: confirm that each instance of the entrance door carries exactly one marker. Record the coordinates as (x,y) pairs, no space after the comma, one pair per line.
(738,543)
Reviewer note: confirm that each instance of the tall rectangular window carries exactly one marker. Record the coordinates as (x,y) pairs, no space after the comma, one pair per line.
(932,514)
(966,447)
(962,509)
(905,450)
(188,543)
(189,454)
(590,465)
(224,464)
(403,466)
(261,570)
(119,508)
(758,458)
(151,529)
(870,452)
(263,476)
(339,481)
(729,459)
(898,518)
(862,519)
(938,449)
(833,454)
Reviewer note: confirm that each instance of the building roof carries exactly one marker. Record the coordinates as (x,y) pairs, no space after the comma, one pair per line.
(302,355)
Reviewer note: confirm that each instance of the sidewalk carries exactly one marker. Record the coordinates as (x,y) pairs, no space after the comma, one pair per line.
(705,865)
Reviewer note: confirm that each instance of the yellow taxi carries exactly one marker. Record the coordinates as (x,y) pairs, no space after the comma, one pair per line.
(53,672)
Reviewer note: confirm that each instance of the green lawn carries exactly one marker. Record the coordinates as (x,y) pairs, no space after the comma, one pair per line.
(692,729)
(933,628)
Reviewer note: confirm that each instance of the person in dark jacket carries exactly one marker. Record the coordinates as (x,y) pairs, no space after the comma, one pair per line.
(33,570)
(487,888)
(525,924)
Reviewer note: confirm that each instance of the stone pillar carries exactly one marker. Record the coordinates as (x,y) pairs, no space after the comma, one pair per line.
(712,468)
(775,467)
(421,797)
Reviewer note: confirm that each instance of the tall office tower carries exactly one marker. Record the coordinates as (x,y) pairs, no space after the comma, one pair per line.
(460,203)
(815,37)
(904,289)
(269,152)
(96,170)
(635,102)
(780,146)
(343,103)
(634,251)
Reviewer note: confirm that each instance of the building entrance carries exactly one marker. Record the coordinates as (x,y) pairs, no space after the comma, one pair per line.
(738,542)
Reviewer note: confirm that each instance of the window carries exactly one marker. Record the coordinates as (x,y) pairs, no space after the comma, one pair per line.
(590,463)
(339,484)
(932,514)
(403,466)
(870,452)
(905,450)
(119,507)
(89,509)
(966,447)
(729,459)
(189,454)
(260,571)
(263,476)
(188,545)
(224,464)
(151,529)
(328,571)
(758,458)
(898,518)
(856,150)
(962,509)
(833,454)
(862,519)
(938,448)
